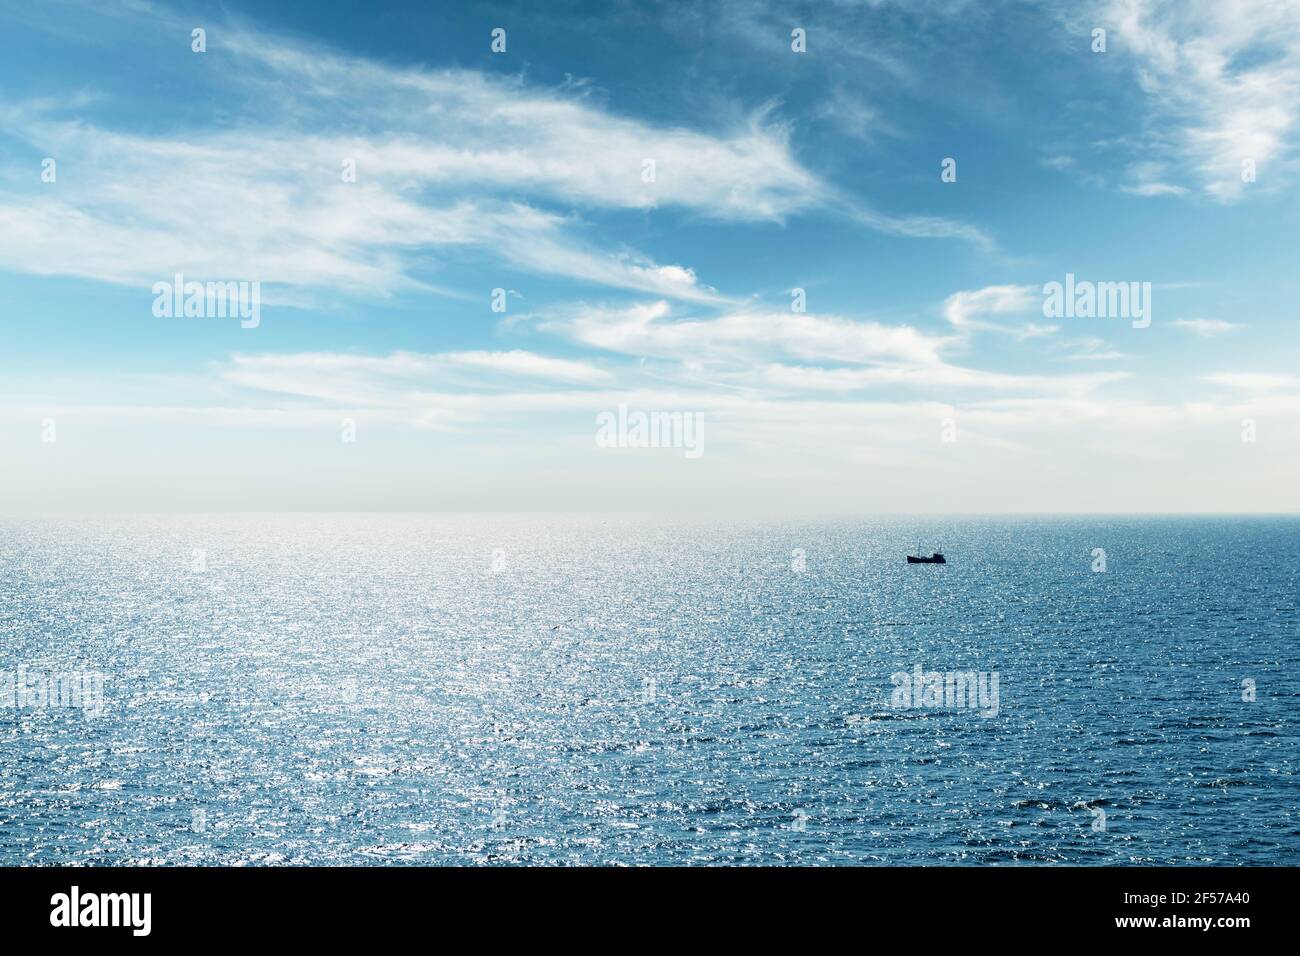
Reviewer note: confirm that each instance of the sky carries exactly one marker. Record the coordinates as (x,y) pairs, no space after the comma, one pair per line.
(821,233)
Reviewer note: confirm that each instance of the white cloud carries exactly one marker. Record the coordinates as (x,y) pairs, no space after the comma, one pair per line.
(648,330)
(1107,356)
(943,375)
(925,227)
(1222,79)
(762,351)
(965,310)
(1251,381)
(1204,328)
(454,151)
(530,365)
(1093,349)
(398,378)
(452,162)
(1155,189)
(280,213)
(463,127)
(1147,179)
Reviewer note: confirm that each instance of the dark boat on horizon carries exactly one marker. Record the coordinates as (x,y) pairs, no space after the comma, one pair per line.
(935,558)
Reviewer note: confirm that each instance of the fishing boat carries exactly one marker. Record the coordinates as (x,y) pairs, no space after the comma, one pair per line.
(935,558)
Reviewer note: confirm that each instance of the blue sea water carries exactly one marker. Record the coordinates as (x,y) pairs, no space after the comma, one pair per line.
(433,689)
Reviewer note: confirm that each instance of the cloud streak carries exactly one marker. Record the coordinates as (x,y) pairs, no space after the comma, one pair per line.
(1222,80)
(452,163)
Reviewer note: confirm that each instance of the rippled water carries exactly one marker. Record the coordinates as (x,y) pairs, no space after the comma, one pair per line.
(560,689)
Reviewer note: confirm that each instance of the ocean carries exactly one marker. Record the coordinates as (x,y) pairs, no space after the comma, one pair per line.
(627,690)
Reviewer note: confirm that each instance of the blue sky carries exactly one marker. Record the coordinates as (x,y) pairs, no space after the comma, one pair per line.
(773,170)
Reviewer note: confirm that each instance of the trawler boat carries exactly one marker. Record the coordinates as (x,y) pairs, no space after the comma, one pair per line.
(935,558)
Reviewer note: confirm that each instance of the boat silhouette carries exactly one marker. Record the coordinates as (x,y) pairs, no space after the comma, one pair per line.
(935,558)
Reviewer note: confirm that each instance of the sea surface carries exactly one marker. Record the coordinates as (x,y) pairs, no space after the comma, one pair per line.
(462,689)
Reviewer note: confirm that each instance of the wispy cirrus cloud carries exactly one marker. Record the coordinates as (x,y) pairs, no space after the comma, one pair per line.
(1148,179)
(1205,328)
(1222,80)
(1252,381)
(211,206)
(967,310)
(651,329)
(386,378)
(925,227)
(786,352)
(1093,349)
(941,375)
(666,204)
(447,163)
